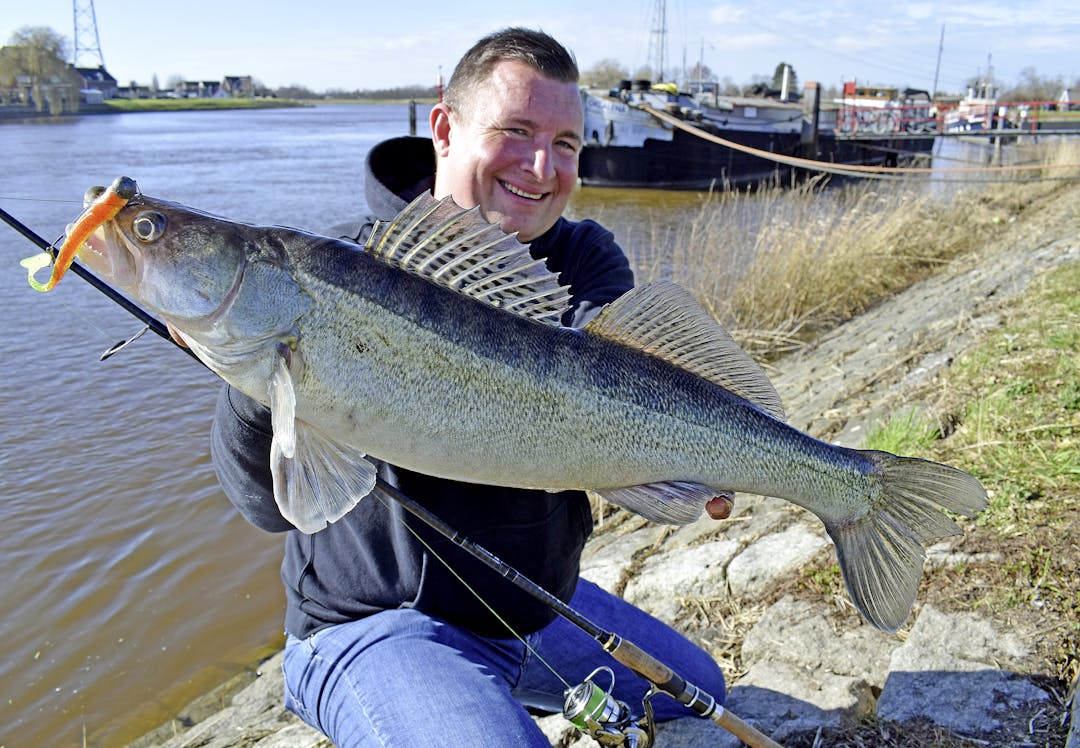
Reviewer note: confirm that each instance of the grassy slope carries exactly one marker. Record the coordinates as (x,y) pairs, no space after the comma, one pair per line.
(1007,410)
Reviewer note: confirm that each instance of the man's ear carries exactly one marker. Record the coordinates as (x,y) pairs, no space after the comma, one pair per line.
(440,129)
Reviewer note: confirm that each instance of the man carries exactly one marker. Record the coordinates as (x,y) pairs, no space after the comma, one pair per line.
(390,637)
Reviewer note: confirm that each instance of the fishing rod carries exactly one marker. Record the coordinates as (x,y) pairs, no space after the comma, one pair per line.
(587,706)
(622,650)
(149,321)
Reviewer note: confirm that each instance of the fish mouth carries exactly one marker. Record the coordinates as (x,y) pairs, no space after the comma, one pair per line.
(106,254)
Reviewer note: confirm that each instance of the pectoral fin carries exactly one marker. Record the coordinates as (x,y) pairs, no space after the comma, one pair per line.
(316,479)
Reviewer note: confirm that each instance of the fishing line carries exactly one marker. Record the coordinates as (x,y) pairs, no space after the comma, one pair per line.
(40,199)
(427,546)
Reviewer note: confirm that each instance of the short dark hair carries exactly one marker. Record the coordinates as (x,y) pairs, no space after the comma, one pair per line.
(535,48)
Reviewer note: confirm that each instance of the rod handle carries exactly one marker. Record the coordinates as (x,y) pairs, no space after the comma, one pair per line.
(674,685)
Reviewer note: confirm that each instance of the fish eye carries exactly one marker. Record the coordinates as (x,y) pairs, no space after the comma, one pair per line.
(148,226)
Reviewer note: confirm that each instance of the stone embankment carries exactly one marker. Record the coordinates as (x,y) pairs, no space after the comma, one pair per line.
(799,670)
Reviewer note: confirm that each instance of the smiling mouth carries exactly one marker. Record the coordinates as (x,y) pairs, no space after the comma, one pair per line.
(522,193)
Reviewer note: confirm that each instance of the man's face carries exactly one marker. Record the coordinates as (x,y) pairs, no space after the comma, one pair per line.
(514,152)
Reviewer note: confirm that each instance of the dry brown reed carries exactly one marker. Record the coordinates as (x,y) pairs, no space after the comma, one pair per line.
(809,257)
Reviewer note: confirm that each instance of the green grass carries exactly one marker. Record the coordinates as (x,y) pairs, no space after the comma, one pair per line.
(1015,402)
(1017,399)
(176,105)
(909,431)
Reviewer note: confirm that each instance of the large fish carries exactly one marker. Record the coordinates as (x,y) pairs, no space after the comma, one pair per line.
(438,347)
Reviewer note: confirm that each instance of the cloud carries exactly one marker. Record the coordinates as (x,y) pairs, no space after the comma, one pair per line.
(727,15)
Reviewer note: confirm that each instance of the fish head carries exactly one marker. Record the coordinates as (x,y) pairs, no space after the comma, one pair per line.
(213,280)
(178,261)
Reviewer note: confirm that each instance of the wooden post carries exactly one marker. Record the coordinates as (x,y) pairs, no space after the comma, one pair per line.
(809,140)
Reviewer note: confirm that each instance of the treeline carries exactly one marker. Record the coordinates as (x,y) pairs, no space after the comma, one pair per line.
(1034,87)
(379,94)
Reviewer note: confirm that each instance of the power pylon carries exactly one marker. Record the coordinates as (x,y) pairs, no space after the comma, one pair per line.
(87,43)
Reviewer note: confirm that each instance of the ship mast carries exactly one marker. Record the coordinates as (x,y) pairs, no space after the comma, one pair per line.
(658,39)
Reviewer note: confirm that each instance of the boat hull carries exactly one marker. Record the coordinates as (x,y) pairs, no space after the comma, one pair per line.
(689,162)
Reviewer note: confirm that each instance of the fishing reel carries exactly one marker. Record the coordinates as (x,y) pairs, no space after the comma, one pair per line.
(605,719)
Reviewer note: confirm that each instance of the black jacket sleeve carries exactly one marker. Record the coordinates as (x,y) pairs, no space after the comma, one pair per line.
(240,451)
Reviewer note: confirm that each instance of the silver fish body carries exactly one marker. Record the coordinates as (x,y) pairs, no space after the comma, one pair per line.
(437,349)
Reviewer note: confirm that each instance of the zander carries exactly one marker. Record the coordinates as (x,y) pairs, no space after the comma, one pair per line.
(438,347)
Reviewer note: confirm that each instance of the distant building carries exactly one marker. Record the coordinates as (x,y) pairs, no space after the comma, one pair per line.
(198,89)
(133,92)
(238,86)
(98,79)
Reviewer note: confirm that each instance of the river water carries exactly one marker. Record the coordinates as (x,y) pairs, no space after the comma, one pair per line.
(130,584)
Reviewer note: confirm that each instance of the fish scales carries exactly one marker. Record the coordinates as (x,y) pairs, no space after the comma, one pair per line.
(446,386)
(434,348)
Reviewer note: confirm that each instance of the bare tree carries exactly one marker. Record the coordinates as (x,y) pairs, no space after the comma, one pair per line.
(702,72)
(174,82)
(1034,87)
(605,73)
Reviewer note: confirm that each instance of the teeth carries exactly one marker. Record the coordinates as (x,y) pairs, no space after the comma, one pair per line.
(522,193)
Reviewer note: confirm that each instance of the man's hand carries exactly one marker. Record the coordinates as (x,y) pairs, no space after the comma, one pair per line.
(720,506)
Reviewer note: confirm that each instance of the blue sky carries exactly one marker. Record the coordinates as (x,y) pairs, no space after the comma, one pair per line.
(358,44)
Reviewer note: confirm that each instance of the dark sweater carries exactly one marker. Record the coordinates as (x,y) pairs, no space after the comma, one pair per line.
(369,560)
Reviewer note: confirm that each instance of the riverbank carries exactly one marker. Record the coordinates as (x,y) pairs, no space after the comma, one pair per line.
(985,658)
(17,112)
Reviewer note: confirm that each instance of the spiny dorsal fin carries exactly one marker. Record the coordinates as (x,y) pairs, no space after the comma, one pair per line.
(458,249)
(663,319)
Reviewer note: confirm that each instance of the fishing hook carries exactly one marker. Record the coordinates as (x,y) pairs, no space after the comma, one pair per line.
(117,347)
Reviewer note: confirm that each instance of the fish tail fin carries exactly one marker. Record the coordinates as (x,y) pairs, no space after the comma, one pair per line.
(881,553)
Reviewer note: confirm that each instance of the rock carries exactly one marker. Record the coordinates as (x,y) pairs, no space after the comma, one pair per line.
(771,557)
(798,633)
(948,672)
(693,732)
(785,700)
(684,572)
(608,560)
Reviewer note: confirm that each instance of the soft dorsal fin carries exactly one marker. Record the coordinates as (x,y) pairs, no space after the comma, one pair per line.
(458,249)
(663,319)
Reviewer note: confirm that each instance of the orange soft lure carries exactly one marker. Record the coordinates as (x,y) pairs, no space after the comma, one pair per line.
(104,207)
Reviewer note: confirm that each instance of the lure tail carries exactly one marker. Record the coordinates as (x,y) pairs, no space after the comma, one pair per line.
(106,203)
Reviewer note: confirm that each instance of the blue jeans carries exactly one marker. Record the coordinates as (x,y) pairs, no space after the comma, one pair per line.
(402,678)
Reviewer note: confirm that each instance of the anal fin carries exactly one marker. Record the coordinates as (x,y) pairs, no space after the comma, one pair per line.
(669,503)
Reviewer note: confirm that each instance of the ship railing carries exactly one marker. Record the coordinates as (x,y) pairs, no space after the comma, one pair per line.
(900,119)
(1029,116)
